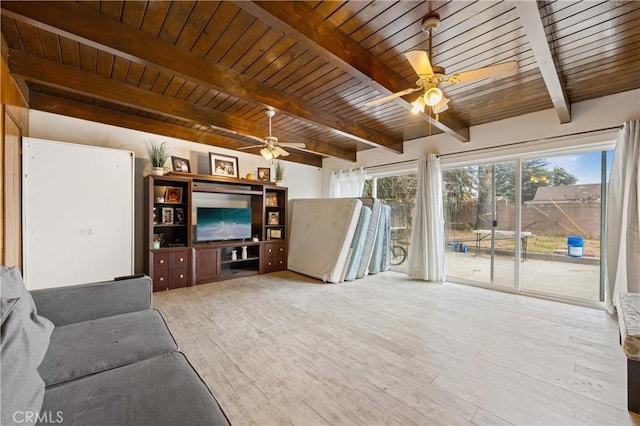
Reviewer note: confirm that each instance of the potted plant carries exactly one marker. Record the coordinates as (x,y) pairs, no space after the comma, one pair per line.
(279,173)
(158,155)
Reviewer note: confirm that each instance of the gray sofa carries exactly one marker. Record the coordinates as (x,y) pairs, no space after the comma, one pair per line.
(94,354)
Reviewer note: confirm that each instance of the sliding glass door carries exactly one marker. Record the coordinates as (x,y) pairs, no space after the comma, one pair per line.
(399,192)
(532,225)
(479,229)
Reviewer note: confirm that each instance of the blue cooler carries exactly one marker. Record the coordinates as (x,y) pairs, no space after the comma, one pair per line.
(575,245)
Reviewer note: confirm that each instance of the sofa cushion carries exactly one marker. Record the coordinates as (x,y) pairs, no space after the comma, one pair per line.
(24,341)
(163,390)
(89,347)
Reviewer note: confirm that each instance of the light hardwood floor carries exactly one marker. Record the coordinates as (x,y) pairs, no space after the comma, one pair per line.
(285,349)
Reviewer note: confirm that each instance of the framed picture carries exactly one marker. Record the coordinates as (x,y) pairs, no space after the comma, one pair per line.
(172,195)
(223,165)
(274,218)
(264,174)
(155,216)
(167,215)
(274,234)
(271,199)
(178,216)
(180,164)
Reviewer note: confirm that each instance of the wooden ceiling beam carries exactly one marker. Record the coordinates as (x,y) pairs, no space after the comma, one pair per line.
(532,21)
(303,24)
(50,73)
(56,105)
(87,26)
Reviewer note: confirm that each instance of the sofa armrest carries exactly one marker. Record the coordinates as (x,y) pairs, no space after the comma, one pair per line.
(84,302)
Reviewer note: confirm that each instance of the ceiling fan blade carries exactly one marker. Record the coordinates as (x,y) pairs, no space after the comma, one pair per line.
(280,151)
(420,62)
(254,138)
(500,70)
(292,144)
(393,96)
(250,147)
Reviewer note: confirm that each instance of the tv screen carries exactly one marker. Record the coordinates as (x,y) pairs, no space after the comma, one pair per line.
(222,223)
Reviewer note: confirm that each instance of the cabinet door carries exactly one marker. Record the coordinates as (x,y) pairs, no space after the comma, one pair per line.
(206,263)
(274,257)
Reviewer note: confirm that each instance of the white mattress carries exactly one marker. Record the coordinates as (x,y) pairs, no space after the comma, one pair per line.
(320,236)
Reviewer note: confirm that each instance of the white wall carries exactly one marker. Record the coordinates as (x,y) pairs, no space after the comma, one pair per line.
(605,112)
(303,181)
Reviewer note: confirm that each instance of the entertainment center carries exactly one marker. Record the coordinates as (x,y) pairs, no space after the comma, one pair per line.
(200,229)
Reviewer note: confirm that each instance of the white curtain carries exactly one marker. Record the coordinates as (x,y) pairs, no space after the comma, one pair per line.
(623,230)
(346,183)
(426,252)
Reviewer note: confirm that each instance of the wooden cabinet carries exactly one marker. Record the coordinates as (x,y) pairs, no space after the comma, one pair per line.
(170,268)
(274,256)
(206,264)
(178,260)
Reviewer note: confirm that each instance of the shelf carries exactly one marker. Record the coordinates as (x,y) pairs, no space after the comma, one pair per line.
(248,259)
(274,226)
(170,204)
(169,225)
(237,273)
(226,191)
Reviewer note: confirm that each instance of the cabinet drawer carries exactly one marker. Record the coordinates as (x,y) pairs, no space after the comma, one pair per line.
(180,278)
(273,265)
(161,279)
(180,259)
(274,250)
(160,260)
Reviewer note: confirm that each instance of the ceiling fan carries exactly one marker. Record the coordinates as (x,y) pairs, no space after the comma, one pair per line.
(430,76)
(271,148)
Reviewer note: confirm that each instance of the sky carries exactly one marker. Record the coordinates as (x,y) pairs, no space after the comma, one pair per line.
(586,166)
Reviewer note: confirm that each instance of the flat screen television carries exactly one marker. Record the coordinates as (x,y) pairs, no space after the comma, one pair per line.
(222,223)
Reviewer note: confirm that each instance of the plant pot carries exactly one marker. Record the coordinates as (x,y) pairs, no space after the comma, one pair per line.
(157,171)
(278,183)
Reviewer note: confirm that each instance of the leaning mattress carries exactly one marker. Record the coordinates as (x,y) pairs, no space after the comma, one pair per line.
(321,234)
(357,245)
(367,251)
(380,257)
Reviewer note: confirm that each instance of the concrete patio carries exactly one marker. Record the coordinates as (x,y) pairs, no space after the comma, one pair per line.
(554,277)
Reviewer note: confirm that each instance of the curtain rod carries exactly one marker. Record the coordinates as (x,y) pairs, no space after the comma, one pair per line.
(529,141)
(391,164)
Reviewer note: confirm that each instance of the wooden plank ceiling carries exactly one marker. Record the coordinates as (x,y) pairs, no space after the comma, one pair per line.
(207,71)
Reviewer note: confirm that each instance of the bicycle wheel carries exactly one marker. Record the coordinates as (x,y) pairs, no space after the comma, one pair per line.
(398,255)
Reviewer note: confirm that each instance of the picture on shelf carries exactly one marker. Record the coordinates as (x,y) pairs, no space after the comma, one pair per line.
(274,218)
(264,174)
(167,215)
(271,199)
(274,234)
(178,216)
(223,165)
(173,195)
(180,164)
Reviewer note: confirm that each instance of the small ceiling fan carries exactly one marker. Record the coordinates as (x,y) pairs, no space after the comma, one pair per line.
(430,76)
(271,148)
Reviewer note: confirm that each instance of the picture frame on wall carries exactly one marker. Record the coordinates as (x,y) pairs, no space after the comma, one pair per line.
(223,165)
(264,174)
(180,164)
(274,234)
(173,195)
(274,218)
(167,215)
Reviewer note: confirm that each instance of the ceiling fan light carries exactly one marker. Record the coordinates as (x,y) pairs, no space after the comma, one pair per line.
(275,153)
(266,153)
(432,96)
(418,105)
(441,106)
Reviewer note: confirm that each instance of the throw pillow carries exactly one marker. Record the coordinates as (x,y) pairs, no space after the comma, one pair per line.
(24,342)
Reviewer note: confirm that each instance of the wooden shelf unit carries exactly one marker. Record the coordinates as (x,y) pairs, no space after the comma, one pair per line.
(181,261)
